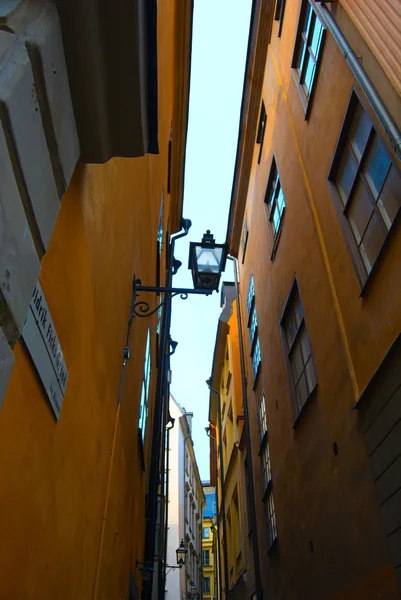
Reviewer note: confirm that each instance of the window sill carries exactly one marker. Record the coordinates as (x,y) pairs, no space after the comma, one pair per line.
(303,409)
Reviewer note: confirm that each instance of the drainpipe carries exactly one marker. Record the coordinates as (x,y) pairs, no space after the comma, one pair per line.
(255,545)
(223,502)
(159,425)
(185,510)
(168,429)
(216,493)
(362,78)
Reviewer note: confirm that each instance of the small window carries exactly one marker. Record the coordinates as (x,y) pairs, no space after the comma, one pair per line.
(262,424)
(206,557)
(275,205)
(265,457)
(307,53)
(270,520)
(367,185)
(251,294)
(298,351)
(244,239)
(256,360)
(206,585)
(206,532)
(143,411)
(261,130)
(253,331)
(279,14)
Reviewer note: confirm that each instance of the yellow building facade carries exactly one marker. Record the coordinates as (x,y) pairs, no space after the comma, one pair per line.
(73,488)
(234,550)
(209,544)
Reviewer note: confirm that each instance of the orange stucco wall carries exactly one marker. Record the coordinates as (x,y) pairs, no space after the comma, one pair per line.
(72,493)
(319,497)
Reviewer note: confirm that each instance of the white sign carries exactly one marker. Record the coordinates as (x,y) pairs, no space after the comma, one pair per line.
(41,339)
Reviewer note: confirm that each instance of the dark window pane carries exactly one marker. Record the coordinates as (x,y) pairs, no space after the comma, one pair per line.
(299,313)
(301,391)
(307,19)
(310,374)
(309,75)
(372,241)
(316,37)
(360,130)
(280,201)
(377,166)
(301,55)
(290,327)
(297,364)
(305,345)
(360,210)
(346,173)
(390,198)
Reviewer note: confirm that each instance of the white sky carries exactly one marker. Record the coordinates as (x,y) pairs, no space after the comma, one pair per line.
(219,45)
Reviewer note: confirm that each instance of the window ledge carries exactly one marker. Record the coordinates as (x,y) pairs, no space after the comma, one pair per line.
(303,409)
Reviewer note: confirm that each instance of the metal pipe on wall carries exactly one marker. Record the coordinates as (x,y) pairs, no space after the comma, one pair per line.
(255,545)
(362,78)
(219,594)
(223,503)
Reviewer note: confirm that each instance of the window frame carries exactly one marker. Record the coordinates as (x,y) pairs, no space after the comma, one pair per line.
(279,15)
(362,274)
(270,201)
(206,552)
(306,100)
(145,382)
(270,518)
(288,350)
(254,338)
(260,135)
(206,578)
(244,238)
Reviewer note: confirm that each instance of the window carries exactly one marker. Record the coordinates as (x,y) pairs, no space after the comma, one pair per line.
(279,14)
(270,520)
(275,205)
(265,456)
(206,585)
(143,411)
(253,330)
(367,187)
(264,450)
(244,239)
(251,294)
(307,53)
(262,424)
(206,557)
(261,130)
(298,351)
(206,533)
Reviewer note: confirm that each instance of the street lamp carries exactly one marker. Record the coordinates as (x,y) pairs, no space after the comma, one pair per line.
(181,553)
(207,261)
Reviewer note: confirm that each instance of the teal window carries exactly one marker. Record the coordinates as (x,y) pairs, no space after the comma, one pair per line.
(270,514)
(143,411)
(253,330)
(206,532)
(275,205)
(206,585)
(307,53)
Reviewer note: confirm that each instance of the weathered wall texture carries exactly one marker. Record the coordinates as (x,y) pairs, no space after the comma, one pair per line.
(331,542)
(380,25)
(72,492)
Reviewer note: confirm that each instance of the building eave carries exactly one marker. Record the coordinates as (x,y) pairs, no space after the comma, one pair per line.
(258,42)
(182,58)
